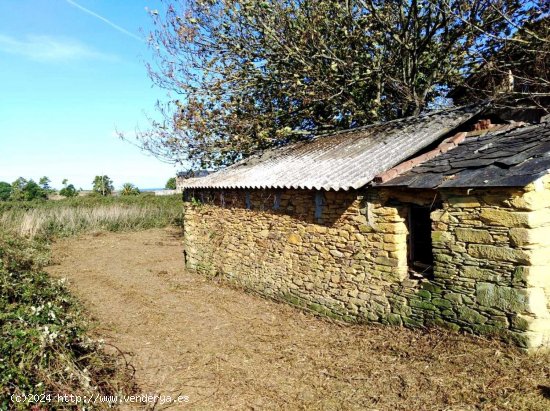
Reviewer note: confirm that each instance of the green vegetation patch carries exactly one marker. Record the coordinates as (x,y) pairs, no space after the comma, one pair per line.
(44,346)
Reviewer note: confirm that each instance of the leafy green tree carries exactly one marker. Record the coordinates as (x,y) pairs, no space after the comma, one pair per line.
(44,182)
(5,191)
(26,190)
(128,189)
(251,74)
(68,191)
(103,185)
(17,187)
(171,184)
(32,191)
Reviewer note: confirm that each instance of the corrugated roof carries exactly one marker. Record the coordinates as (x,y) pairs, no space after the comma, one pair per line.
(511,158)
(338,161)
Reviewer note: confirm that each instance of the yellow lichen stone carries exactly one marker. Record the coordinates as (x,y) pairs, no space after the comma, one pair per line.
(532,200)
(528,236)
(499,217)
(294,239)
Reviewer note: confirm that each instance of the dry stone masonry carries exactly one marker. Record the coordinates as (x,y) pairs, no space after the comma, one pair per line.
(345,254)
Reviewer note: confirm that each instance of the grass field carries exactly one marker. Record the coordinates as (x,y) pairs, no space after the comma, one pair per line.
(47,219)
(45,344)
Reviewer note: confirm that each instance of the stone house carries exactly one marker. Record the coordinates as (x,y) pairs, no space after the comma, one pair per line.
(438,220)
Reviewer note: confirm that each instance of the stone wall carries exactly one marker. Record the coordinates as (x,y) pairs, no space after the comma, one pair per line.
(344,254)
(492,251)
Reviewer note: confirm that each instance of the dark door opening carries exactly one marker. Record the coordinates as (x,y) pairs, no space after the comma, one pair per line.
(421,257)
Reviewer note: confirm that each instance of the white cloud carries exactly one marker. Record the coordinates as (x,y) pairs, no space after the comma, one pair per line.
(53,49)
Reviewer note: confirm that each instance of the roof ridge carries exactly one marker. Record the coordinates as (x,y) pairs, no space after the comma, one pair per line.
(402,119)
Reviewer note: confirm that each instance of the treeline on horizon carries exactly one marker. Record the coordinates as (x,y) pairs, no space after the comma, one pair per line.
(28,190)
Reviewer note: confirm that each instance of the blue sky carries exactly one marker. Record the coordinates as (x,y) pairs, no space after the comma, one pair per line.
(69,80)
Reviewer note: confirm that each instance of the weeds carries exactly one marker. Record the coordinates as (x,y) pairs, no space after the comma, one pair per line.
(44,346)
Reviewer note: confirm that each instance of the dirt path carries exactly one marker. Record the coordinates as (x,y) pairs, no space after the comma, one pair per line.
(226,349)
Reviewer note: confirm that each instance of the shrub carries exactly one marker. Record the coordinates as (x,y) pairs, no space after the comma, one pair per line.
(5,191)
(44,346)
(33,191)
(171,184)
(128,189)
(68,191)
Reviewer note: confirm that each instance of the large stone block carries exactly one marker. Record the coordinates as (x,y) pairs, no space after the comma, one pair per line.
(470,235)
(464,202)
(530,236)
(471,316)
(294,239)
(441,216)
(514,300)
(393,228)
(506,218)
(390,262)
(441,236)
(509,218)
(532,200)
(478,273)
(539,218)
(540,255)
(395,238)
(496,254)
(537,276)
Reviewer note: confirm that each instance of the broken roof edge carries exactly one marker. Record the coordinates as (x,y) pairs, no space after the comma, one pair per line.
(445,146)
(403,179)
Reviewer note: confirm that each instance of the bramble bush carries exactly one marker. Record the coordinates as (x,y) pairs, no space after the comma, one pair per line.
(44,346)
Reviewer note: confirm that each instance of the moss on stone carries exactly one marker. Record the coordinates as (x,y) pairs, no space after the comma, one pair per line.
(412,322)
(423,305)
(505,298)
(424,294)
(471,316)
(442,303)
(431,287)
(394,319)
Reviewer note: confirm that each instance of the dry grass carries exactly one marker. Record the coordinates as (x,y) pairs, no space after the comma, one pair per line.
(227,349)
(64,220)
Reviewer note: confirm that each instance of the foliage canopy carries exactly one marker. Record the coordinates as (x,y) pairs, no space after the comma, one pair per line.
(26,190)
(5,191)
(252,74)
(103,185)
(68,191)
(171,184)
(128,189)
